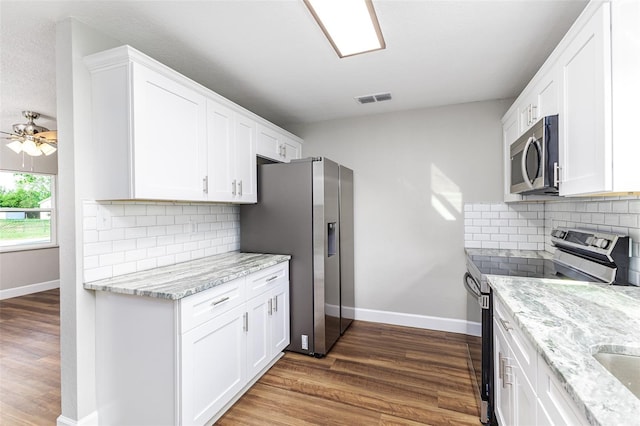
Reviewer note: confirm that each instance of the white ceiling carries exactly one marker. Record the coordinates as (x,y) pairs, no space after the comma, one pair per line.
(270,56)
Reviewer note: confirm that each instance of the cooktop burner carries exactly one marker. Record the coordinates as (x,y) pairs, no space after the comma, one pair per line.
(526,267)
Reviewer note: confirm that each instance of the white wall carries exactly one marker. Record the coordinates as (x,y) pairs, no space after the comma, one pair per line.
(28,271)
(75,40)
(413,171)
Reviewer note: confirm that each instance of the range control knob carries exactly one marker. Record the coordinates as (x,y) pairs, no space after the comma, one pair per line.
(602,243)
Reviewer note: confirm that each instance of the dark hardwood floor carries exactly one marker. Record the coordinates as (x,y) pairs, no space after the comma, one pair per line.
(30,359)
(375,375)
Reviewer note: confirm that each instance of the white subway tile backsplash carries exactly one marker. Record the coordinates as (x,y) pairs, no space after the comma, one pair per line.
(131,209)
(526,226)
(125,237)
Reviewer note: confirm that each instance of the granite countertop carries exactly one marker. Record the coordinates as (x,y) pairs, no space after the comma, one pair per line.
(568,321)
(530,254)
(187,278)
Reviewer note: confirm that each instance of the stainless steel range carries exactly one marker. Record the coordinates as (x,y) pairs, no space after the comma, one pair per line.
(580,254)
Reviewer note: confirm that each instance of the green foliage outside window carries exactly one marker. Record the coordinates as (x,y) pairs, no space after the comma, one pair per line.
(26,191)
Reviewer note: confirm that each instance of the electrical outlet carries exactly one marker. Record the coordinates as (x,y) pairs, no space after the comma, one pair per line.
(305,342)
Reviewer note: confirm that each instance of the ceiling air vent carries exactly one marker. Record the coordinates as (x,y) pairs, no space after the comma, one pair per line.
(369,99)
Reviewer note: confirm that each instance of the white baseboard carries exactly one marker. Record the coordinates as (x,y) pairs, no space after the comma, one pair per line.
(90,420)
(28,289)
(419,321)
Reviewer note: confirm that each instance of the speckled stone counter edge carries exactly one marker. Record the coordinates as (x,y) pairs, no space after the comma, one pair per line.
(620,406)
(184,279)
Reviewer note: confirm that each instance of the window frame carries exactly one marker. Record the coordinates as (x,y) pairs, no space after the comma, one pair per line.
(53,225)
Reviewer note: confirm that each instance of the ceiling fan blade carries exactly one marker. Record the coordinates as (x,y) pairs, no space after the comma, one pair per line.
(50,136)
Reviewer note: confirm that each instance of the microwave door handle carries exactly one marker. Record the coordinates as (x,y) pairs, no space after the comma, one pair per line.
(523,164)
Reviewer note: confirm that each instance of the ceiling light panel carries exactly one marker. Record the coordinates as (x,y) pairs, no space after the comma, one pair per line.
(350,25)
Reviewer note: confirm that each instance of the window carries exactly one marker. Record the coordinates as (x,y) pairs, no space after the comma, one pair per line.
(27,211)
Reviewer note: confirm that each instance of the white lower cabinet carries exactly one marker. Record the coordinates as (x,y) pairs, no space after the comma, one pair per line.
(526,392)
(183,362)
(268,326)
(211,377)
(554,404)
(515,396)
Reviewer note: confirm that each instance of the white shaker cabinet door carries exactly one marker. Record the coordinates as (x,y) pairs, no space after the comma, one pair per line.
(291,149)
(585,123)
(280,324)
(245,160)
(503,378)
(169,138)
(213,366)
(259,310)
(221,152)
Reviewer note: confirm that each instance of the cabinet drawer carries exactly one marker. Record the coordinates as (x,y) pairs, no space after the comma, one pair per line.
(524,352)
(203,306)
(266,279)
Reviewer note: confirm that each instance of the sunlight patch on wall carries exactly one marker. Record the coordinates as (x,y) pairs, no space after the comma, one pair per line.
(446,197)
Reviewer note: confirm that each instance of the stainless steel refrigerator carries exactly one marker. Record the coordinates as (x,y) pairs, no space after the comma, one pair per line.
(305,209)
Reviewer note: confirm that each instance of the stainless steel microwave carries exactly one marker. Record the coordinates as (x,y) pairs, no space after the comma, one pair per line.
(534,159)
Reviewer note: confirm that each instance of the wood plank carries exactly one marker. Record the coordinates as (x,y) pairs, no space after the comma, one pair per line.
(30,359)
(376,374)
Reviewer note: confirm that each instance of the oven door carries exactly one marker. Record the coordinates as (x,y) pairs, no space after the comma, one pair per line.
(480,348)
(527,159)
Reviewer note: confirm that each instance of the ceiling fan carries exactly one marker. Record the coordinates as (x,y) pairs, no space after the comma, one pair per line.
(31,139)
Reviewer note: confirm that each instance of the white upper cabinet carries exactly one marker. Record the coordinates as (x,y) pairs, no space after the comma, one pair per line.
(586,147)
(159,136)
(277,146)
(149,135)
(245,164)
(231,155)
(599,148)
(591,82)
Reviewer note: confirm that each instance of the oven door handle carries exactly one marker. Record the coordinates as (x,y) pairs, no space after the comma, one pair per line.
(473,289)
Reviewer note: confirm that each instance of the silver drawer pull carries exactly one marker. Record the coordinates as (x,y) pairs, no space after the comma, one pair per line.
(505,324)
(219,301)
(272,278)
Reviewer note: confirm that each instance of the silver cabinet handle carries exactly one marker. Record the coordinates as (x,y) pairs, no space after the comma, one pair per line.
(240,188)
(534,115)
(275,304)
(556,175)
(272,278)
(507,375)
(245,321)
(505,324)
(284,149)
(233,187)
(219,301)
(500,365)
(270,306)
(205,184)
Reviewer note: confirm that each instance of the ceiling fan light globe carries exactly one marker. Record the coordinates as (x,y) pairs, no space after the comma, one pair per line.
(47,149)
(30,147)
(15,146)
